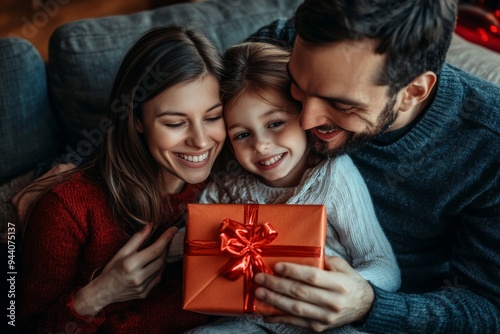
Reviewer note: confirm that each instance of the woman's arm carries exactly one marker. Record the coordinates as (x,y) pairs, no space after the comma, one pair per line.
(53,297)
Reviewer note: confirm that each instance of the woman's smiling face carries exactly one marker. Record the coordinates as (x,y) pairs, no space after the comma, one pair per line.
(184,130)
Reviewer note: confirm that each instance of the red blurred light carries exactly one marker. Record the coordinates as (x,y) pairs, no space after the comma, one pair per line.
(483,34)
(493,29)
(497,13)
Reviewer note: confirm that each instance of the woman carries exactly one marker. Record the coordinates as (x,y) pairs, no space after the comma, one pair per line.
(83,271)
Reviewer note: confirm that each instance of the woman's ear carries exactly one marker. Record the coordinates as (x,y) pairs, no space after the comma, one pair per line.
(138,125)
(418,91)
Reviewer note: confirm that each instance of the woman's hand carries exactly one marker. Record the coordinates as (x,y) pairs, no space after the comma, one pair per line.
(314,298)
(131,274)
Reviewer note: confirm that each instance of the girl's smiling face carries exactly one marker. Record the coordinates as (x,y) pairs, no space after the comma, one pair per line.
(184,130)
(267,139)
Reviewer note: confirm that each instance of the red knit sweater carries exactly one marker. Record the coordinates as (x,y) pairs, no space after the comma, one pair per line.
(72,235)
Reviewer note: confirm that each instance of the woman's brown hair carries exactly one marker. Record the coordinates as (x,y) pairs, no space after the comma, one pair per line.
(123,165)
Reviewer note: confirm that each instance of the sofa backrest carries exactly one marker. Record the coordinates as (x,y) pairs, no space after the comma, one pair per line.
(84,56)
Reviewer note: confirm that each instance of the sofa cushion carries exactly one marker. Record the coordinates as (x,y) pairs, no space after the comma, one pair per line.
(28,129)
(84,55)
(474,59)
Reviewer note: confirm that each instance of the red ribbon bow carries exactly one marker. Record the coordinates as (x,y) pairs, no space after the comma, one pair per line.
(243,242)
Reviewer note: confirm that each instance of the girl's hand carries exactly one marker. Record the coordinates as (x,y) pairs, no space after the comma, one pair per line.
(131,274)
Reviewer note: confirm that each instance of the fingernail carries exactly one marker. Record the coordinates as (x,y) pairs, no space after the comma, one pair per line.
(259,278)
(279,268)
(259,293)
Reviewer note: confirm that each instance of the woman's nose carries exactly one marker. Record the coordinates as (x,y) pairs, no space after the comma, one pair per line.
(198,137)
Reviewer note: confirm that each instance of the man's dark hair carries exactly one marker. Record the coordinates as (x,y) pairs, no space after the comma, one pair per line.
(414,34)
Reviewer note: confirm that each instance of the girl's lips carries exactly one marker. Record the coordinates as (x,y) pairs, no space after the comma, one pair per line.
(194,160)
(327,135)
(270,162)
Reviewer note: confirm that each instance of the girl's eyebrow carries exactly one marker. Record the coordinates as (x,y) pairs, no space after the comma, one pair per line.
(267,114)
(178,113)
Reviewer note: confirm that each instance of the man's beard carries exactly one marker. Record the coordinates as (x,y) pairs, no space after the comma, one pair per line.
(356,140)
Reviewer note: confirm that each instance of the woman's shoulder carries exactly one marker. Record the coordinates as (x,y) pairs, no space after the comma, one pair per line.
(77,188)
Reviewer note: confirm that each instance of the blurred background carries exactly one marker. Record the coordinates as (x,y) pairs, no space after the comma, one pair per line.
(35,20)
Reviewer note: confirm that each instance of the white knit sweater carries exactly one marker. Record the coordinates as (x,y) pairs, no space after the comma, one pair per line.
(353,230)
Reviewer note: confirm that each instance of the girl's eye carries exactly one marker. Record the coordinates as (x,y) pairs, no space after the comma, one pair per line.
(214,119)
(242,135)
(275,124)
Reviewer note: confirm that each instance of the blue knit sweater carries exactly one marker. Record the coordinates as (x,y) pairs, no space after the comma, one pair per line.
(436,189)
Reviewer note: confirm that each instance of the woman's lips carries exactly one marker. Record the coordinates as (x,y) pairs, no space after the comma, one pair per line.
(194,160)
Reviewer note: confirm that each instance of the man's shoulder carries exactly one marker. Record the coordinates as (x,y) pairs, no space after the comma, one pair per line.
(480,99)
(279,30)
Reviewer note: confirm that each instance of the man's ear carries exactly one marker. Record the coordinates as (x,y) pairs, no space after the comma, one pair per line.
(418,91)
(138,125)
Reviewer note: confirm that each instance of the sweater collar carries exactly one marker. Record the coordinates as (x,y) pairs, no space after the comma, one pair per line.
(436,120)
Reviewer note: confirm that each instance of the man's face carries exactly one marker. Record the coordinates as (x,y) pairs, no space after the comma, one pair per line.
(342,106)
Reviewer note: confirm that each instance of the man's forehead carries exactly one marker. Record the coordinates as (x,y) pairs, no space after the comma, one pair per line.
(348,59)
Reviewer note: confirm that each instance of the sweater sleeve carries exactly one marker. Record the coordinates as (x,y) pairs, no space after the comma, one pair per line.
(467,303)
(53,239)
(353,217)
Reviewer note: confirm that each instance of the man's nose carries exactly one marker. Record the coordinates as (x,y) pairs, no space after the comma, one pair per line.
(312,114)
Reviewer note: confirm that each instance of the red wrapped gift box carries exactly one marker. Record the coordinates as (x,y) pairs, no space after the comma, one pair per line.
(227,244)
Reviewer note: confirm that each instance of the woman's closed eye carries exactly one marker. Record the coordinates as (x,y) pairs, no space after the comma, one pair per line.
(174,125)
(214,118)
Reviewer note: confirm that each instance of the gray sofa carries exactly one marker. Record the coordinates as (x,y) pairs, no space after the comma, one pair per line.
(61,111)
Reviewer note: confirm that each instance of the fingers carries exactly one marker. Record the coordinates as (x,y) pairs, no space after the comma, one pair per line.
(295,272)
(335,263)
(135,242)
(158,248)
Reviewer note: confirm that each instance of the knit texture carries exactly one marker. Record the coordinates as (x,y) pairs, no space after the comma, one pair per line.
(353,231)
(71,237)
(436,191)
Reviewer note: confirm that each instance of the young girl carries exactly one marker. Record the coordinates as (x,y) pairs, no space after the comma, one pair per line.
(83,271)
(262,121)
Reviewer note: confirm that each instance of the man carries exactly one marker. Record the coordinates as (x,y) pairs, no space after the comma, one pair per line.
(426,138)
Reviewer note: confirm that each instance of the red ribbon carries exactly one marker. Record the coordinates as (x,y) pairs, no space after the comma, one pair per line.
(246,244)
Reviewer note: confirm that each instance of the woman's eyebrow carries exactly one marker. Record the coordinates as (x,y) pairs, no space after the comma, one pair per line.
(178,113)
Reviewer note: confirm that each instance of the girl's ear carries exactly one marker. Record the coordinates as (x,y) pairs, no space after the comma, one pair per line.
(138,125)
(418,90)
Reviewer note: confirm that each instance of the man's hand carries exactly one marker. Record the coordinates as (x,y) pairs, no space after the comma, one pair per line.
(314,298)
